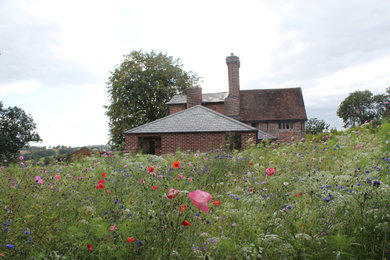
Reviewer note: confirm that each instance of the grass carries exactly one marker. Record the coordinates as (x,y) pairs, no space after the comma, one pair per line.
(328,199)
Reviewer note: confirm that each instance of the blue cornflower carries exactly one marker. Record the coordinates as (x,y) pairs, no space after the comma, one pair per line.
(359,184)
(140,243)
(264,196)
(358,168)
(212,240)
(7,229)
(288,207)
(27,232)
(9,246)
(368,171)
(237,198)
(376,183)
(116,201)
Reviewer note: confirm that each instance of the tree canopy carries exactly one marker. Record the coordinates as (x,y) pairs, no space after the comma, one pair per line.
(17,129)
(362,106)
(139,88)
(316,126)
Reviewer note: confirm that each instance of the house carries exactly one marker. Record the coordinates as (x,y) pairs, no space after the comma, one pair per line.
(207,121)
(78,155)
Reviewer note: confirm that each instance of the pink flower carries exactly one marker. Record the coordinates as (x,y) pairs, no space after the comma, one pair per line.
(270,171)
(180,176)
(172,193)
(199,199)
(39,180)
(57,176)
(21,158)
(112,228)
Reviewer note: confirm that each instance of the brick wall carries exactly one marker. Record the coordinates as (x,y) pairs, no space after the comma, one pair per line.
(176,108)
(202,142)
(218,107)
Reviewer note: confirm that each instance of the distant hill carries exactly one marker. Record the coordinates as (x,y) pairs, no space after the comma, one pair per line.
(37,153)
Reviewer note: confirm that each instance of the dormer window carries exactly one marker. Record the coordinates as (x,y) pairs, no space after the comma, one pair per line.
(286,125)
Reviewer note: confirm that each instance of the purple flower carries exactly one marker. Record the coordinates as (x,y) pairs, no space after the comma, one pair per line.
(9,246)
(376,183)
(288,208)
(234,224)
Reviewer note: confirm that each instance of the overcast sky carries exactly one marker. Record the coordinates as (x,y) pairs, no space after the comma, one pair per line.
(56,56)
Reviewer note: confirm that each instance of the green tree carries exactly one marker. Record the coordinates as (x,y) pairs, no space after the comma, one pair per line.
(316,126)
(386,111)
(139,89)
(361,106)
(17,129)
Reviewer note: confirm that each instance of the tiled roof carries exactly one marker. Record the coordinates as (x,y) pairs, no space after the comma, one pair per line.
(194,119)
(272,104)
(206,98)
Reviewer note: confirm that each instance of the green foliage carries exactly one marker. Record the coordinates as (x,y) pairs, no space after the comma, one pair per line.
(328,199)
(316,126)
(17,129)
(139,89)
(361,106)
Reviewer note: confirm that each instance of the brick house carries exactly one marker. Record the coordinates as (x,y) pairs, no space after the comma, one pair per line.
(197,129)
(267,113)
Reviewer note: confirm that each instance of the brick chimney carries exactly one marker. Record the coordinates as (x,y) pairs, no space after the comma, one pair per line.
(232,102)
(194,96)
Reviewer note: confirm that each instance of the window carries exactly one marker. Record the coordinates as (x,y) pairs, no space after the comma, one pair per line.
(286,125)
(233,141)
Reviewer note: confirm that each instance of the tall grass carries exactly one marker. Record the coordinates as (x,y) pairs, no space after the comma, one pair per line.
(329,198)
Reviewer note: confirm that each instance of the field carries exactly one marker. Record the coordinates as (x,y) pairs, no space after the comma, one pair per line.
(325,198)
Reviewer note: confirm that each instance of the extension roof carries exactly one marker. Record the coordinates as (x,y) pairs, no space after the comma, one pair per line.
(194,119)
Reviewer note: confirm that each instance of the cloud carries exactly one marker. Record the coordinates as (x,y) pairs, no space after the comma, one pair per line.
(21,87)
(330,36)
(27,49)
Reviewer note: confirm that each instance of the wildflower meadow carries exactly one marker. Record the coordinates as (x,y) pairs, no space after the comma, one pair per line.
(327,197)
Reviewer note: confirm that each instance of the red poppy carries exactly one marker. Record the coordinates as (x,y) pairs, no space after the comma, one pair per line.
(90,247)
(183,207)
(154,187)
(216,202)
(176,164)
(100,186)
(270,171)
(250,190)
(151,169)
(185,223)
(298,195)
(130,240)
(180,176)
(251,163)
(101,181)
(104,175)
